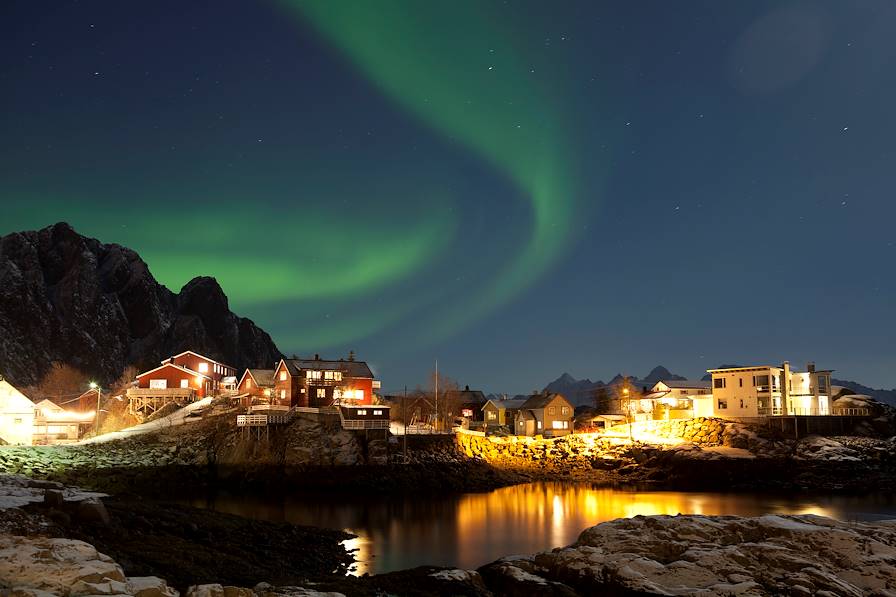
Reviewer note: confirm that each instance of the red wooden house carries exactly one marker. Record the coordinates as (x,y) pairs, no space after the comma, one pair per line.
(217,372)
(256,386)
(182,378)
(319,382)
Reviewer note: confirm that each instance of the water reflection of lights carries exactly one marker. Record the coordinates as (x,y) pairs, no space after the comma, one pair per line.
(470,530)
(361,549)
(558,529)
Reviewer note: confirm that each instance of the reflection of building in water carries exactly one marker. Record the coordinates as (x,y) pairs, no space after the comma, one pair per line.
(470,530)
(540,516)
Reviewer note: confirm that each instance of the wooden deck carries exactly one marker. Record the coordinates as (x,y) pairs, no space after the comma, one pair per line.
(143,402)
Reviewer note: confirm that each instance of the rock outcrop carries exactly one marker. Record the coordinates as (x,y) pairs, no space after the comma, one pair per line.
(71,299)
(37,566)
(711,555)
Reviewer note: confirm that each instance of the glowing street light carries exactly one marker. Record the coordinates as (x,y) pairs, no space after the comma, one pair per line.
(96,418)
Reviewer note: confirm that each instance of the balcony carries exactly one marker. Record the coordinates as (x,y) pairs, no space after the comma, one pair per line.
(161,393)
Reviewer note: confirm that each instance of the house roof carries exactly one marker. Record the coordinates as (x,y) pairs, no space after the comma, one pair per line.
(348,368)
(505,404)
(196,354)
(12,400)
(749,368)
(467,395)
(542,400)
(687,383)
(609,417)
(47,403)
(262,377)
(184,369)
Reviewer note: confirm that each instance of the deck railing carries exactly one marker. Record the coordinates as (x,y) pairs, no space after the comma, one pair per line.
(851,412)
(251,420)
(365,423)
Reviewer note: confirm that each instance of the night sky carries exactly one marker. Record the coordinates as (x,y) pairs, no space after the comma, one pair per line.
(517,189)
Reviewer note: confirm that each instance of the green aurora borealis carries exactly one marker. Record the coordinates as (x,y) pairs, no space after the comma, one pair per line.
(322,275)
(439,62)
(516,188)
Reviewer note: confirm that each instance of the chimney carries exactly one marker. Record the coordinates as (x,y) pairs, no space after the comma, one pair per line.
(466,388)
(316,357)
(810,367)
(351,355)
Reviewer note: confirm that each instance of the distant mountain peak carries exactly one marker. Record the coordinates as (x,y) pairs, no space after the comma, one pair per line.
(660,373)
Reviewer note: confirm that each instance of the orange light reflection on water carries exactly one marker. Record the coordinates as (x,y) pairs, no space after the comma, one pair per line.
(469,530)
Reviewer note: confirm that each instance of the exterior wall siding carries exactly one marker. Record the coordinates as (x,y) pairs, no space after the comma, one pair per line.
(173,378)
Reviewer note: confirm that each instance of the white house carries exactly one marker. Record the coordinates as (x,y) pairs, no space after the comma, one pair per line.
(55,425)
(770,391)
(16,416)
(680,399)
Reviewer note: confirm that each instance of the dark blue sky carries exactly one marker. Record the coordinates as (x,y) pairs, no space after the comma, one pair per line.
(513,188)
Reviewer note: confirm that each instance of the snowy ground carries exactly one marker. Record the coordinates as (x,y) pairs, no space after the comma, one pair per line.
(174,419)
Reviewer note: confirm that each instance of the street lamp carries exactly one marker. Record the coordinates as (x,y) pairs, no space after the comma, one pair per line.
(96,419)
(631,433)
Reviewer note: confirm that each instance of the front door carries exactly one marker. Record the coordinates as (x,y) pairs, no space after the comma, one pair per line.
(530,427)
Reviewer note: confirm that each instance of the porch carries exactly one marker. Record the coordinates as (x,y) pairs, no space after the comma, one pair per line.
(142,402)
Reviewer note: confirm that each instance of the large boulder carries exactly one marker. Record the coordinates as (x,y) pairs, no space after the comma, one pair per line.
(58,566)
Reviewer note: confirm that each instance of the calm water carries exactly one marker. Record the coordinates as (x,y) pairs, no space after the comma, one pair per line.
(469,530)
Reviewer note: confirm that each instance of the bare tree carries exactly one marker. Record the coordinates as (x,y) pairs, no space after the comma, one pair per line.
(603,401)
(441,388)
(61,384)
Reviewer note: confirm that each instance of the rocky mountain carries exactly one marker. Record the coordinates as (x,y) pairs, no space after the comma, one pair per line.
(660,373)
(581,391)
(71,299)
(577,391)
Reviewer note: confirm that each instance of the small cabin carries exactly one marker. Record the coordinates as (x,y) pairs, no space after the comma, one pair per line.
(373,416)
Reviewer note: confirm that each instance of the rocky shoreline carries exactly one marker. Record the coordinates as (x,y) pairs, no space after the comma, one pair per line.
(310,455)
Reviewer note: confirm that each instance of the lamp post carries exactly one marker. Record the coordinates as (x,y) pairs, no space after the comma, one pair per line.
(631,433)
(96,419)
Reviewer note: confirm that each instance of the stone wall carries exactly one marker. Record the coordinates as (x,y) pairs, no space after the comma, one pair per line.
(701,430)
(564,454)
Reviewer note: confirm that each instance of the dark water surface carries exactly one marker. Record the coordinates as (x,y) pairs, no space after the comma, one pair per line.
(472,529)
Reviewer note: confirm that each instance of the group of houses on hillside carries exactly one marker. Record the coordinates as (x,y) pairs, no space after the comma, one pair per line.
(348,387)
(344,386)
(739,393)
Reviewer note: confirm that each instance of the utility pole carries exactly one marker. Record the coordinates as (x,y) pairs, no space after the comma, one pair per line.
(437,396)
(96,419)
(404,417)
